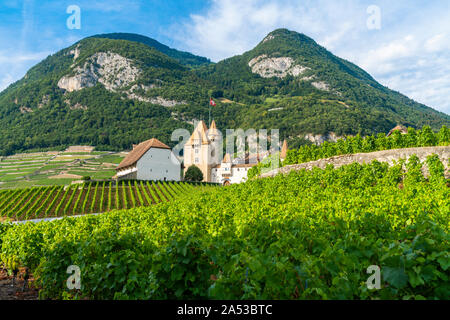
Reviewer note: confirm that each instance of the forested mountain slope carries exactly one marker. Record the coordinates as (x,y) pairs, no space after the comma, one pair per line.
(114,90)
(293,82)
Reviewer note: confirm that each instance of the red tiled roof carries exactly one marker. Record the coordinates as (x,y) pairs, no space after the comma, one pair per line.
(139,150)
(400,128)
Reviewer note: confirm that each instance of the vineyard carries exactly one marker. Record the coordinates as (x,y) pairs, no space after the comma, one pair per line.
(351,145)
(56,168)
(306,235)
(96,197)
(414,138)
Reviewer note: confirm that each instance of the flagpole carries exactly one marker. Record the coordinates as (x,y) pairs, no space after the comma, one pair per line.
(209,120)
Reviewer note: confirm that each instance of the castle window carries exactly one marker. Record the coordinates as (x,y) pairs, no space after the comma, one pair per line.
(196,150)
(196,160)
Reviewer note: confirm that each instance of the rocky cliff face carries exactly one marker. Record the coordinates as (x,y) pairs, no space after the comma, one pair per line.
(279,67)
(321,85)
(114,72)
(157,100)
(318,139)
(110,69)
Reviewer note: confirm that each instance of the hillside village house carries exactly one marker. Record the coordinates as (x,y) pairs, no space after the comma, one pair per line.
(150,160)
(402,129)
(203,150)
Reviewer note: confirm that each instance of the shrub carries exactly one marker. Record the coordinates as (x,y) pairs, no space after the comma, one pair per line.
(193,173)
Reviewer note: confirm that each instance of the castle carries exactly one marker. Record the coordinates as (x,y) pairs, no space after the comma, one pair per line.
(204,150)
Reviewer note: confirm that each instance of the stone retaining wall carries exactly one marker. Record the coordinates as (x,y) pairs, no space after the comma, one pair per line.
(382,156)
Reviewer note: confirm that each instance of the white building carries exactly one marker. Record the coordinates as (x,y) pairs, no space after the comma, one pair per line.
(228,172)
(150,160)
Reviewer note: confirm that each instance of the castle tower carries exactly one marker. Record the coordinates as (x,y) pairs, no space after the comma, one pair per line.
(284,150)
(203,149)
(215,137)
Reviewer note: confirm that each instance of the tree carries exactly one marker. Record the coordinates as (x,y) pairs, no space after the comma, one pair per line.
(193,173)
(427,137)
(444,136)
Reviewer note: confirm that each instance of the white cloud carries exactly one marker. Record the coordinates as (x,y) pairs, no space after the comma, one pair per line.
(381,60)
(22,57)
(232,27)
(14,66)
(6,80)
(438,43)
(419,67)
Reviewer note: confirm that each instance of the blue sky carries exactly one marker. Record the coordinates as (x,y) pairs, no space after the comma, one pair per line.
(410,52)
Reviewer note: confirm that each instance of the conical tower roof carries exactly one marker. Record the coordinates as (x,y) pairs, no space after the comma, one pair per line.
(284,150)
(227,158)
(199,133)
(213,129)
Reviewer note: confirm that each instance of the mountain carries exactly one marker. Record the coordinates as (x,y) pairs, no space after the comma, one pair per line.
(182,57)
(291,81)
(114,90)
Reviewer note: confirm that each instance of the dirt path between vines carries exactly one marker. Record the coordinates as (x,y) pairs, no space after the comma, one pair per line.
(9,292)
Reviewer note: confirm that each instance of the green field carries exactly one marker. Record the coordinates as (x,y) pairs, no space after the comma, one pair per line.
(52,168)
(95,197)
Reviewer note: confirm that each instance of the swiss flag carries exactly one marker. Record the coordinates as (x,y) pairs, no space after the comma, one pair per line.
(211,102)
